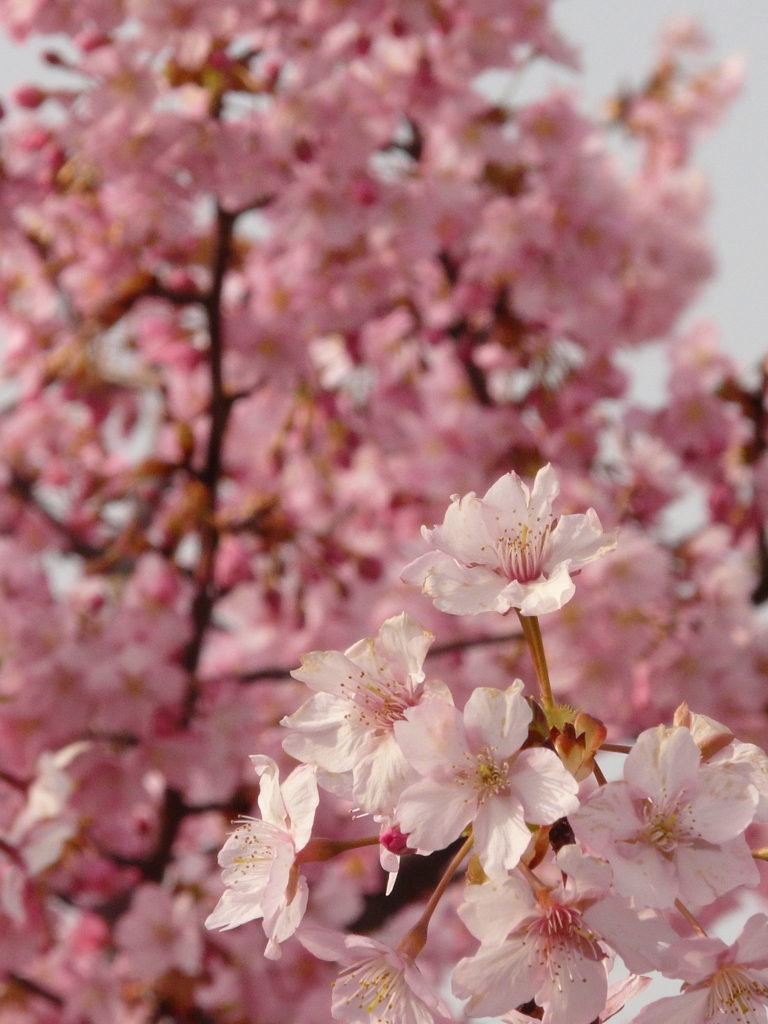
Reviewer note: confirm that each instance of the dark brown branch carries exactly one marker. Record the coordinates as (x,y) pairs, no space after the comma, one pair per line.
(23,489)
(264,674)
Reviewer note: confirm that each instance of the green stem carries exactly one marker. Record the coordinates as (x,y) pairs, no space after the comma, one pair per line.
(532,634)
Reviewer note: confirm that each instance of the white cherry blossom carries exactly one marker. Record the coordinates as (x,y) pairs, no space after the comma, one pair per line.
(507,550)
(674,827)
(723,984)
(475,772)
(259,858)
(378,984)
(346,728)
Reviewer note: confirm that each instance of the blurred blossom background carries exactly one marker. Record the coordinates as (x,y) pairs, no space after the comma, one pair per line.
(177,531)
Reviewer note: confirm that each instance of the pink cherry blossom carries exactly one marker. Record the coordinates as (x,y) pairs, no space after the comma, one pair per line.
(259,858)
(378,984)
(674,827)
(722,984)
(347,728)
(474,772)
(542,945)
(507,550)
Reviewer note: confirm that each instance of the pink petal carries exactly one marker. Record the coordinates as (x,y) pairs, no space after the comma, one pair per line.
(638,936)
(723,806)
(545,787)
(575,988)
(330,672)
(493,910)
(662,763)
(405,642)
(644,875)
(499,979)
(688,1008)
(432,737)
(324,734)
(705,874)
(433,814)
(606,816)
(751,947)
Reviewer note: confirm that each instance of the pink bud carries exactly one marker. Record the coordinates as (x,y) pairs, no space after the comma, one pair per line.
(90,39)
(28,96)
(392,839)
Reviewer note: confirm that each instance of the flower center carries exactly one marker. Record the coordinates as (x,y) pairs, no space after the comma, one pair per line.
(492,776)
(560,934)
(522,555)
(373,986)
(733,991)
(664,830)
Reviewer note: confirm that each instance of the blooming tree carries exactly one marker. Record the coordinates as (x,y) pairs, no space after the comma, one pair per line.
(276,280)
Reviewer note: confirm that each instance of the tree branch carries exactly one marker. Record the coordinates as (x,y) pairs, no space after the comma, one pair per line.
(279,672)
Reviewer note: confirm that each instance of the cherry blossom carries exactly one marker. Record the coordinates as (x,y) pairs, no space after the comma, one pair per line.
(377,984)
(259,858)
(507,550)
(348,726)
(674,827)
(727,984)
(474,772)
(541,944)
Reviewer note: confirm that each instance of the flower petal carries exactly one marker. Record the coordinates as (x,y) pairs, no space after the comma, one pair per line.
(432,737)
(497,719)
(301,798)
(662,763)
(433,814)
(546,789)
(498,979)
(580,539)
(501,835)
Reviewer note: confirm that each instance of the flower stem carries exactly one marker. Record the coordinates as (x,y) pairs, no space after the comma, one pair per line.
(532,634)
(323,849)
(691,919)
(601,779)
(616,748)
(536,884)
(413,943)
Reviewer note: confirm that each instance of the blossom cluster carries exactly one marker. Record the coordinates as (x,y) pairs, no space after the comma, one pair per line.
(276,279)
(566,870)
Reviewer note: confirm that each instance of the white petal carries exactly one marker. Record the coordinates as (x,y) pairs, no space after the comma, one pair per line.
(546,595)
(330,672)
(463,534)
(270,801)
(580,539)
(662,763)
(432,737)
(405,642)
(498,979)
(283,923)
(497,719)
(432,815)
(706,874)
(301,798)
(501,835)
(326,735)
(233,909)
(510,495)
(381,776)
(545,787)
(588,877)
(545,489)
(460,590)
